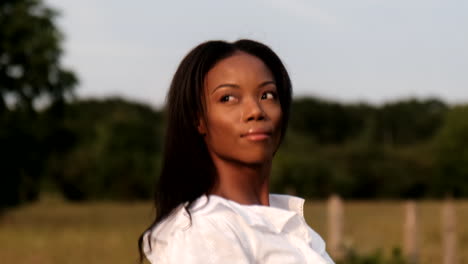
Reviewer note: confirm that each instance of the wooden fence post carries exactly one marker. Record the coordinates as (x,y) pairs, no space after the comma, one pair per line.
(335,227)
(449,242)
(411,233)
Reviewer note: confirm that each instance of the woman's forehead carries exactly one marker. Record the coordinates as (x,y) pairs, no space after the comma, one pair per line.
(237,68)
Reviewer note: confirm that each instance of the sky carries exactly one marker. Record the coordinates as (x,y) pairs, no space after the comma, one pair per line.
(372,51)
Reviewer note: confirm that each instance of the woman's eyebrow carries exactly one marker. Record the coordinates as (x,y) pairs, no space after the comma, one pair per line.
(266,83)
(230,85)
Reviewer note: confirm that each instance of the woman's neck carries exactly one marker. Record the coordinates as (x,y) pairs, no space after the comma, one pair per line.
(244,184)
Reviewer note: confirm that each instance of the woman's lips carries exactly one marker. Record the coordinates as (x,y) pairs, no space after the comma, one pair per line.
(257,137)
(257,134)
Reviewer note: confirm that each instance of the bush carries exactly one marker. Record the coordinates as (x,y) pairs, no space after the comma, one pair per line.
(115,152)
(352,257)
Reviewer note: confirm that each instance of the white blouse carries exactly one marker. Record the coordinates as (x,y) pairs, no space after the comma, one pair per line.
(223,231)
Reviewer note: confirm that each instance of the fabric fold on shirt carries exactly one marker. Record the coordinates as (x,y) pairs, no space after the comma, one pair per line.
(271,218)
(220,228)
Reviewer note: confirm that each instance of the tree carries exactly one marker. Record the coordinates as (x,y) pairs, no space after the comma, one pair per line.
(452,154)
(30,70)
(328,122)
(115,151)
(30,55)
(409,121)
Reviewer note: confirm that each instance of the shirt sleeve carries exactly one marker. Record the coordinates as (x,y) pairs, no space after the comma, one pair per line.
(210,243)
(318,245)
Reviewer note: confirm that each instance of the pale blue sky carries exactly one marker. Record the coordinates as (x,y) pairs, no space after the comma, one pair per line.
(360,50)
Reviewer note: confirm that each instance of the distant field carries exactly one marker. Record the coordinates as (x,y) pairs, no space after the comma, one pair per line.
(372,225)
(55,232)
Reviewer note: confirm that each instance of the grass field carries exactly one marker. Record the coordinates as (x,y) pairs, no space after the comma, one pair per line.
(53,232)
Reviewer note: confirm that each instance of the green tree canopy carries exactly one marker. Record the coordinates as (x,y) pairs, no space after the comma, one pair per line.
(409,121)
(30,51)
(30,70)
(114,154)
(452,154)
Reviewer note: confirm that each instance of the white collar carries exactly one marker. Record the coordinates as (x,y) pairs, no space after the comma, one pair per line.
(282,208)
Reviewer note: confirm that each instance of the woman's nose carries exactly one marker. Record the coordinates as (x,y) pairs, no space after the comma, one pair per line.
(253,111)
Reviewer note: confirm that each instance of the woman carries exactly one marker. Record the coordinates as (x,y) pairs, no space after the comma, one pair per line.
(228,108)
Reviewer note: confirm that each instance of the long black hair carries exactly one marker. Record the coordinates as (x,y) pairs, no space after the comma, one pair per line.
(187,169)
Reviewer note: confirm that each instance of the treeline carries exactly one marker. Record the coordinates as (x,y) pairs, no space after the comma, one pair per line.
(111,149)
(364,151)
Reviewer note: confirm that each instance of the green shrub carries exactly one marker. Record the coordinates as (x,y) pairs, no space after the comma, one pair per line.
(352,257)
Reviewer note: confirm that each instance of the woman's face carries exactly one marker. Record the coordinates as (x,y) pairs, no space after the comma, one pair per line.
(243,111)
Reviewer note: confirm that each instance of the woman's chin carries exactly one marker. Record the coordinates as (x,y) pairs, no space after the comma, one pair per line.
(247,157)
(258,158)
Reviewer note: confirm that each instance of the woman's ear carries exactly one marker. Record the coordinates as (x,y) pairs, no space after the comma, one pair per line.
(201,126)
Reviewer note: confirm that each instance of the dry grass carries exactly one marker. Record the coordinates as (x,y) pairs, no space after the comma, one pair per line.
(54,232)
(374,225)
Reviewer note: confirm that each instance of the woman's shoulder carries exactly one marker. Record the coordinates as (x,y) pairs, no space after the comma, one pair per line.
(205,226)
(206,214)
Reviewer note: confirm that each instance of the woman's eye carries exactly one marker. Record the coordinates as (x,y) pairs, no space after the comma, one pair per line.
(226,98)
(268,95)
